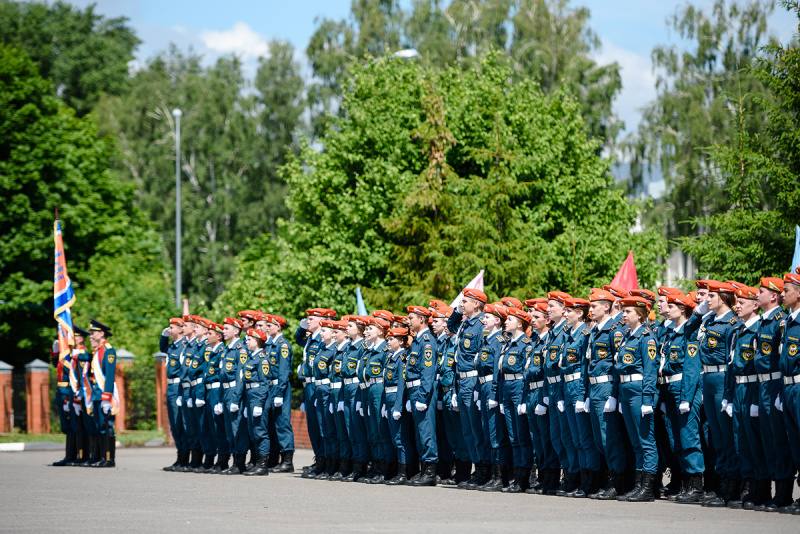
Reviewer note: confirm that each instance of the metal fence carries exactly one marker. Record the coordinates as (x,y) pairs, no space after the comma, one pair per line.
(19,405)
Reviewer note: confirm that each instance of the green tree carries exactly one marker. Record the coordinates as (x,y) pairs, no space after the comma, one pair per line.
(83,53)
(48,159)
(752,235)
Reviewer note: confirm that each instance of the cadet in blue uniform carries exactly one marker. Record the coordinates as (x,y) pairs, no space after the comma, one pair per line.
(350,397)
(79,355)
(444,468)
(638,372)
(214,422)
(420,393)
(492,418)
(680,387)
(511,391)
(394,386)
(307,337)
(256,389)
(767,362)
(233,359)
(204,442)
(177,331)
(376,357)
(336,406)
(183,401)
(281,358)
(104,368)
(789,400)
(321,371)
(465,321)
(604,392)
(574,366)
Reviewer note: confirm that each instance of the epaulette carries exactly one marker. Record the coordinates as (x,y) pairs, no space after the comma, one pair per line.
(585,331)
(364,345)
(779,316)
(732,320)
(525,339)
(284,345)
(426,336)
(499,337)
(107,345)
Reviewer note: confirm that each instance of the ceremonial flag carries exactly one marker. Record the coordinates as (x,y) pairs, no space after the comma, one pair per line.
(185,307)
(475,283)
(361,309)
(796,258)
(63,297)
(626,277)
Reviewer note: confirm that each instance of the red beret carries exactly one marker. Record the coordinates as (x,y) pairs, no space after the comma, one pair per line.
(437,303)
(745,292)
(442,312)
(720,287)
(576,303)
(336,325)
(476,294)
(560,296)
(400,319)
(419,310)
(685,300)
(791,278)
(637,302)
(775,284)
(644,293)
(511,302)
(539,306)
(532,302)
(617,291)
(381,323)
(494,309)
(176,320)
(692,295)
(235,322)
(383,314)
(601,294)
(320,312)
(520,314)
(276,319)
(252,332)
(397,332)
(216,327)
(249,314)
(666,291)
(702,284)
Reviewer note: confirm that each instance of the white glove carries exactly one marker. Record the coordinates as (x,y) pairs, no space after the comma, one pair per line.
(610,405)
(586,404)
(361,412)
(663,407)
(754,410)
(546,401)
(724,405)
(421,407)
(383,410)
(502,409)
(340,406)
(298,370)
(164,333)
(278,402)
(522,409)
(106,406)
(55,349)
(579,406)
(199,403)
(684,407)
(729,410)
(233,408)
(439,405)
(778,403)
(540,410)
(77,407)
(330,407)
(492,404)
(408,406)
(302,407)
(475,396)
(478,404)
(315,403)
(702,308)
(218,408)
(647,410)
(368,412)
(257,411)
(179,401)
(245,412)
(304,324)
(560,405)
(358,406)
(396,416)
(454,402)
(189,402)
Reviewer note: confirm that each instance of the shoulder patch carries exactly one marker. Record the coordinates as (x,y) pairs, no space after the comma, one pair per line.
(651,342)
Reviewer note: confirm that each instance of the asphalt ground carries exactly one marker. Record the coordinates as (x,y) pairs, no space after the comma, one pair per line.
(138,496)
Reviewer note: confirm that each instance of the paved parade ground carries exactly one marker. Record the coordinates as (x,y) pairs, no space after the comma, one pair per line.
(139,496)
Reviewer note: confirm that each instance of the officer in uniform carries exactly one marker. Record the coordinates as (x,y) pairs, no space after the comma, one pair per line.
(281,358)
(196,401)
(255,377)
(322,371)
(214,422)
(789,400)
(191,441)
(233,359)
(64,401)
(351,362)
(79,355)
(336,406)
(394,386)
(466,322)
(104,368)
(177,332)
(420,392)
(87,386)
(376,357)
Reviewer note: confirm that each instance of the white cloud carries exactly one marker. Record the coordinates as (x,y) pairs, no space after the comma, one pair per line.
(638,82)
(240,40)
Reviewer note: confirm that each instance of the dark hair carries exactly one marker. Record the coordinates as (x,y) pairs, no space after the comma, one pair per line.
(729,299)
(480,304)
(686,310)
(643,313)
(260,342)
(360,328)
(585,314)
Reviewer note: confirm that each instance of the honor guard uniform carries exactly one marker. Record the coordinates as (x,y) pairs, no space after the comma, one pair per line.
(63,400)
(175,350)
(350,394)
(281,358)
(87,385)
(393,389)
(233,359)
(104,398)
(79,355)
(204,443)
(321,372)
(375,361)
(190,441)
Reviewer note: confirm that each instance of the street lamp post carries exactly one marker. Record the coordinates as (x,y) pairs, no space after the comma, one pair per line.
(177,114)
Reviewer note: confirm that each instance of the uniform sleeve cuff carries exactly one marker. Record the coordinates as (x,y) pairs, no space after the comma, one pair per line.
(107,397)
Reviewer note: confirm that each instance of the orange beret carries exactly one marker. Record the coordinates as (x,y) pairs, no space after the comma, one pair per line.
(511,302)
(494,309)
(520,314)
(774,284)
(560,296)
(535,301)
(720,287)
(476,294)
(397,332)
(792,278)
(637,302)
(664,291)
(576,303)
(736,285)
(745,292)
(363,320)
(436,303)
(400,319)
(235,322)
(539,306)
(684,300)
(442,312)
(702,284)
(215,327)
(601,294)
(692,295)
(336,325)
(381,323)
(644,293)
(617,291)
(383,314)
(320,312)
(252,332)
(249,314)
(276,319)
(176,320)
(419,310)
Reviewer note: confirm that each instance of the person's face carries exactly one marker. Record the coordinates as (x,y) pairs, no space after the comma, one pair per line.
(490,322)
(251,343)
(631,317)
(394,343)
(662,305)
(370,333)
(766,298)
(555,310)
(574,315)
(200,330)
(188,329)
(313,323)
(326,335)
(438,325)
(746,307)
(417,322)
(262,326)
(230,332)
(273,329)
(97,338)
(174,331)
(715,303)
(514,324)
(94,342)
(791,295)
(598,309)
(674,312)
(352,330)
(539,320)
(248,323)
(702,295)
(470,305)
(214,337)
(79,340)
(340,335)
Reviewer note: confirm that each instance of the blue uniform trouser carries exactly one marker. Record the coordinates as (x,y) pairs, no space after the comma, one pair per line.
(258,426)
(280,419)
(640,428)
(720,425)
(567,441)
(89,422)
(349,394)
(606,428)
(216,422)
(104,422)
(443,444)
(773,431)
(312,423)
(686,428)
(479,450)
(580,428)
(398,429)
(175,417)
(519,435)
(452,426)
(235,425)
(539,426)
(203,423)
(425,424)
(189,421)
(326,423)
(372,410)
(494,428)
(345,447)
(752,461)
(552,391)
(65,413)
(791,413)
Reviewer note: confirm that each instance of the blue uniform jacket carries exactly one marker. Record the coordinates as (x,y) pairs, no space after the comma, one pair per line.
(573,359)
(552,368)
(744,352)
(376,360)
(324,359)
(768,340)
(447,366)
(469,338)
(281,357)
(790,361)
(421,366)
(352,358)
(233,359)
(637,355)
(715,336)
(681,355)
(491,350)
(174,351)
(310,345)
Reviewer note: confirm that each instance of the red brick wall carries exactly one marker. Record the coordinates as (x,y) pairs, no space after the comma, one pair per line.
(301,439)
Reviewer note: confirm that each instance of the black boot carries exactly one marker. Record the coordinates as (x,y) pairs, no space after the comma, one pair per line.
(462,472)
(274,460)
(676,485)
(783,495)
(520,481)
(571,481)
(495,483)
(81,453)
(758,496)
(636,488)
(69,453)
(257,461)
(332,468)
(400,479)
(341,472)
(583,488)
(684,485)
(355,473)
(208,463)
(100,452)
(693,490)
(221,465)
(261,468)
(286,465)
(537,481)
(723,495)
(370,472)
(237,467)
(254,456)
(176,464)
(715,485)
(428,477)
(311,467)
(645,494)
(596,483)
(183,467)
(554,482)
(748,486)
(467,475)
(197,463)
(380,473)
(614,487)
(322,472)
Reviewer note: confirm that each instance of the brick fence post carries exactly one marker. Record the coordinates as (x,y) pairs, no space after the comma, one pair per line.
(161,395)
(122,380)
(6,394)
(37,389)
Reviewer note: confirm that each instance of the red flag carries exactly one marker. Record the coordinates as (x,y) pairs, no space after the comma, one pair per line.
(626,277)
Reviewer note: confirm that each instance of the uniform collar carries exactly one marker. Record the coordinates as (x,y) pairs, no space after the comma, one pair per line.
(419,334)
(794,314)
(343,344)
(255,352)
(771,313)
(398,351)
(578,327)
(638,329)
(215,346)
(723,317)
(606,321)
(232,343)
(379,345)
(751,321)
(519,335)
(329,345)
(667,323)
(471,320)
(493,332)
(277,338)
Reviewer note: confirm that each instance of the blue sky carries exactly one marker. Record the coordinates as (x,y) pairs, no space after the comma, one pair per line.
(629,29)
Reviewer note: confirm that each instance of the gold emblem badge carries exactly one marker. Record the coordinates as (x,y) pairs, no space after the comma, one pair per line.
(247,374)
(450,362)
(243,358)
(110,358)
(748,355)
(322,365)
(692,349)
(553,355)
(412,361)
(673,356)
(229,366)
(651,351)
(265,367)
(351,365)
(766,348)
(512,360)
(602,353)
(389,374)
(537,360)
(173,363)
(484,356)
(194,364)
(466,343)
(285,352)
(628,358)
(211,370)
(712,341)
(792,349)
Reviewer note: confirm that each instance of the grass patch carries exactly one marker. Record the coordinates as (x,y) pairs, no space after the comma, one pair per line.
(133,438)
